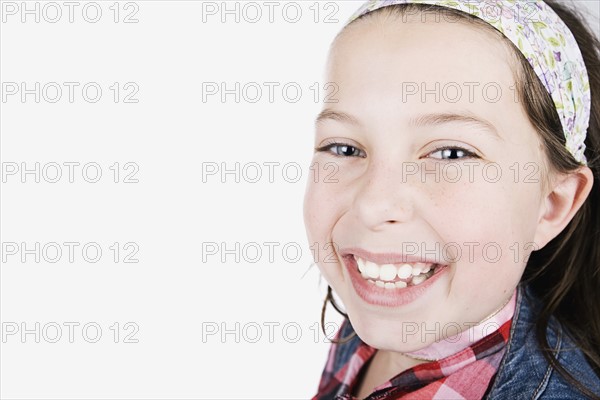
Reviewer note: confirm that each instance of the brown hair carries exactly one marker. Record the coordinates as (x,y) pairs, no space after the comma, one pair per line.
(565,274)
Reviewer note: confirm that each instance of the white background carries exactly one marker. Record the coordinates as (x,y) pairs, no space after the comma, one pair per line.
(204,328)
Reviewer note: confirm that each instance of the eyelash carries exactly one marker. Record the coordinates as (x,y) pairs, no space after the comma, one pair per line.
(467,153)
(328,146)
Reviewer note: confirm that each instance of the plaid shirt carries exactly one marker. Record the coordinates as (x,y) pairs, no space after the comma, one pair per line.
(465,374)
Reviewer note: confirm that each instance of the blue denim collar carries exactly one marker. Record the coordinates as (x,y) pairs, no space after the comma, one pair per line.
(524,372)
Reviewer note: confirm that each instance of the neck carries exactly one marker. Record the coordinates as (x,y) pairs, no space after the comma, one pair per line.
(453,344)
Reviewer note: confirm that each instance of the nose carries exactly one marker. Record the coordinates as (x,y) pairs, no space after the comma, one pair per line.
(385,197)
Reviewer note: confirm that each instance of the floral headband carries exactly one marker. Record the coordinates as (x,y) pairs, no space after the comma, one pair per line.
(548,45)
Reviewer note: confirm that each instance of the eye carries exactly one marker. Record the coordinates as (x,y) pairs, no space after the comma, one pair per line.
(342,150)
(452,153)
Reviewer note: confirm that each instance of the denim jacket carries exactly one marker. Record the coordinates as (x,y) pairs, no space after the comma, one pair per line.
(523,373)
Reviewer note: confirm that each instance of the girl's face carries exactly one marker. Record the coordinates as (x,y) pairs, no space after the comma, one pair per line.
(426,159)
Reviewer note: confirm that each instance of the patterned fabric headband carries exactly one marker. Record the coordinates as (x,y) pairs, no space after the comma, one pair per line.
(548,45)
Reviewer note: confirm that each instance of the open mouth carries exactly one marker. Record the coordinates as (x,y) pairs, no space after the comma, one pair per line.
(395,276)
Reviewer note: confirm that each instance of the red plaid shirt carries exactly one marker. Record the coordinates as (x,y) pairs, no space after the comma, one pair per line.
(462,375)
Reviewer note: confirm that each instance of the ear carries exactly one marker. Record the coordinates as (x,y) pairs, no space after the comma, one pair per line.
(567,193)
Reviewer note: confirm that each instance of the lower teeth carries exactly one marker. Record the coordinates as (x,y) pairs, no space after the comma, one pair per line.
(416,280)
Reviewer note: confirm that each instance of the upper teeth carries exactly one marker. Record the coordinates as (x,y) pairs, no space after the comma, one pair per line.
(389,272)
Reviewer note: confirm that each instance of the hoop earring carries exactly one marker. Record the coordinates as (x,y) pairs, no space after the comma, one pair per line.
(329,298)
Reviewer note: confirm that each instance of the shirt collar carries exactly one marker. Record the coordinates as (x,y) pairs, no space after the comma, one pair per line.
(488,337)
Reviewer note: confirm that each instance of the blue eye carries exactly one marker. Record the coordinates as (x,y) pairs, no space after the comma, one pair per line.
(342,150)
(453,153)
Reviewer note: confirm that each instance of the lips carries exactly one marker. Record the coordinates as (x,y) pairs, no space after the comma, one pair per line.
(397,281)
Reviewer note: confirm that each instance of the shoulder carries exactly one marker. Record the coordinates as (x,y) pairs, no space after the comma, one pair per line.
(524,373)
(342,352)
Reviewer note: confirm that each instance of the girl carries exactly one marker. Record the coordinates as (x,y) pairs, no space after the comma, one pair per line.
(463,218)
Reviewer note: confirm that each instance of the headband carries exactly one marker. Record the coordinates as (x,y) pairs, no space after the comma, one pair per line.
(548,45)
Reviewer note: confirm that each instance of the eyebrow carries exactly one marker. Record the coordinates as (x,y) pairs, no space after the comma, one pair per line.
(419,121)
(443,118)
(336,116)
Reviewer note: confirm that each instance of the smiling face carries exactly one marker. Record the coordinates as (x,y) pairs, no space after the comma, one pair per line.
(445,180)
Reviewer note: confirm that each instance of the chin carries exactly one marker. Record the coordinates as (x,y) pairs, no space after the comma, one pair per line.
(394,333)
(384,335)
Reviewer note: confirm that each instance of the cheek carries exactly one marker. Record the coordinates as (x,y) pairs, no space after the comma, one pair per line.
(321,210)
(490,226)
(325,202)
(478,208)
(311,213)
(326,198)
(482,214)
(461,211)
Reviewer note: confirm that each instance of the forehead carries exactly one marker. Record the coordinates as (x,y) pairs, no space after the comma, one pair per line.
(412,49)
(447,66)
